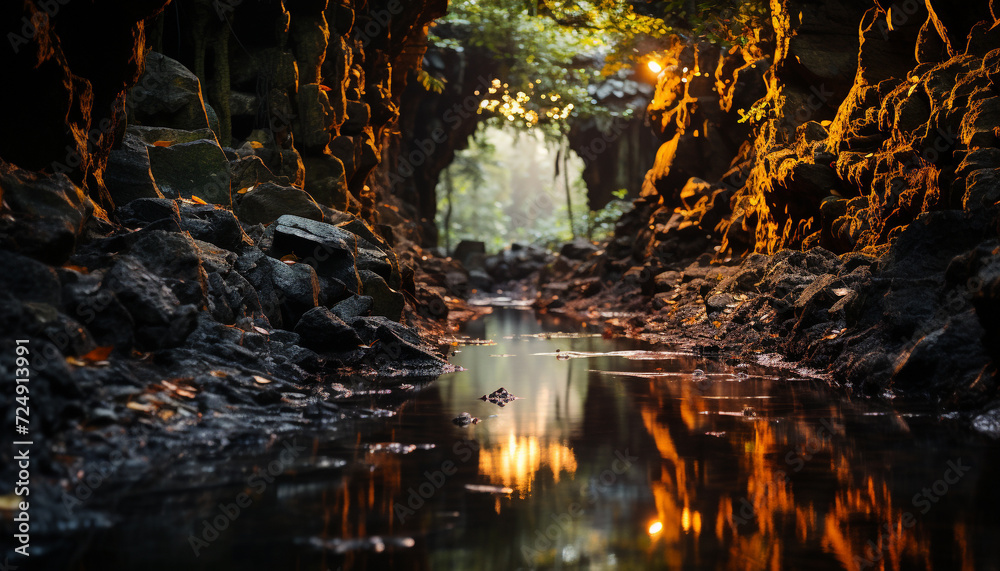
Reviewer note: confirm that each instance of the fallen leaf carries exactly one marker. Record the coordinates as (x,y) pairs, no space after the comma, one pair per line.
(219,374)
(99,354)
(197,200)
(290,259)
(162,143)
(325,87)
(78,269)
(261,330)
(261,380)
(139,407)
(166,414)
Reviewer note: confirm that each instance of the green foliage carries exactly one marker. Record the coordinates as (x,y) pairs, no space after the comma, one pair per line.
(505,190)
(431,83)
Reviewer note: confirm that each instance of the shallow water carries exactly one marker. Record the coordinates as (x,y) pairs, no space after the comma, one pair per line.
(641,459)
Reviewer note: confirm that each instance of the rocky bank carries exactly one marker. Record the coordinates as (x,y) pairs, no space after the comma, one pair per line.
(826,193)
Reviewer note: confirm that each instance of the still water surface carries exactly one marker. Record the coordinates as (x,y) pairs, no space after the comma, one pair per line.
(637,459)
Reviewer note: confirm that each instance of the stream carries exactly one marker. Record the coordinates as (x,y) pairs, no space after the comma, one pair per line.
(615,455)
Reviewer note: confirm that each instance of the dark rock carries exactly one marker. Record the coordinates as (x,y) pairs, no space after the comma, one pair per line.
(286,291)
(248,172)
(97,308)
(144,211)
(28,280)
(500,397)
(465,419)
(386,301)
(161,321)
(199,168)
(215,225)
(174,257)
(127,176)
(354,306)
(322,331)
(153,135)
(327,248)
(47,214)
(326,181)
(578,249)
(358,116)
(167,94)
(268,201)
(468,248)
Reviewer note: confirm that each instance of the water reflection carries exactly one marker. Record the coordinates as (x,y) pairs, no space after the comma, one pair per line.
(659,461)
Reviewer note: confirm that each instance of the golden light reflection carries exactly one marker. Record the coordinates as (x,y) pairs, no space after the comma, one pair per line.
(655,527)
(515,463)
(654,66)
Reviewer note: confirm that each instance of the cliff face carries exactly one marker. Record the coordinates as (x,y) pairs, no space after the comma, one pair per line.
(204,206)
(849,220)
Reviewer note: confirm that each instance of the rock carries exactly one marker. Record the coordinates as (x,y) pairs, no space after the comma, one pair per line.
(500,397)
(161,320)
(167,94)
(214,225)
(982,189)
(354,306)
(248,172)
(327,248)
(397,348)
(978,123)
(97,308)
(951,354)
(45,214)
(28,280)
(358,117)
(988,423)
(315,120)
(465,419)
(342,148)
(386,301)
(199,168)
(578,249)
(466,249)
(291,289)
(127,176)
(326,181)
(269,201)
(322,331)
(144,211)
(153,135)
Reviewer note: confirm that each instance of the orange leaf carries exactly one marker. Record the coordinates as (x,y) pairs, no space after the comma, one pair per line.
(78,269)
(325,87)
(197,200)
(162,143)
(261,380)
(99,354)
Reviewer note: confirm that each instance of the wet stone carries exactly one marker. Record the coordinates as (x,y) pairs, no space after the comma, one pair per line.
(499,397)
(465,419)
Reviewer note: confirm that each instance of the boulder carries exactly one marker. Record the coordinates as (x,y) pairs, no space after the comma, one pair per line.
(167,94)
(386,301)
(44,214)
(144,211)
(327,248)
(354,306)
(322,331)
(161,320)
(269,201)
(326,180)
(199,168)
(127,176)
(286,291)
